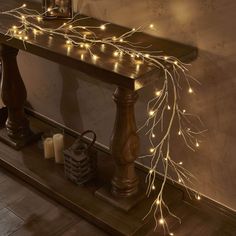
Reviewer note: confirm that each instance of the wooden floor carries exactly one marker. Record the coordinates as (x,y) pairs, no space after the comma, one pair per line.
(25,211)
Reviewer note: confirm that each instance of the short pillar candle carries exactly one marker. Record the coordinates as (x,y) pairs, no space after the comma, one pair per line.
(58,141)
(48,148)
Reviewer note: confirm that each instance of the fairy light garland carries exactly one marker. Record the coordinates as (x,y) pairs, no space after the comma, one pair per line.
(161,104)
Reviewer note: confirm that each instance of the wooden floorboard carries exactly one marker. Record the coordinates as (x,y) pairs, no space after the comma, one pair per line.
(28,212)
(9,222)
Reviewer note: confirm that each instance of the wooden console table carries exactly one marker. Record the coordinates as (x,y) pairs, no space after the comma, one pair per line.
(124,189)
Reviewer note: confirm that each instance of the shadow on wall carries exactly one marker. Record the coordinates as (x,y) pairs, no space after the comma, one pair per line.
(69,99)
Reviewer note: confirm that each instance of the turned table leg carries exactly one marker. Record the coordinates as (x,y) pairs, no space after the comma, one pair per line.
(124,144)
(124,191)
(17,132)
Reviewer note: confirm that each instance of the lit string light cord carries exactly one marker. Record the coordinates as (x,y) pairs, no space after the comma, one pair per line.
(163,110)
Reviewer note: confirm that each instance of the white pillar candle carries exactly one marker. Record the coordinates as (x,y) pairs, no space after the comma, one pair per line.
(58,141)
(48,148)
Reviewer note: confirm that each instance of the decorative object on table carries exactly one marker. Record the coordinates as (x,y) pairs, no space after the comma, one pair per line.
(48,147)
(58,143)
(81,160)
(57,9)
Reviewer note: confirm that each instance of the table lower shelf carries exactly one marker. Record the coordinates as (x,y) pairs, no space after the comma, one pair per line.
(48,177)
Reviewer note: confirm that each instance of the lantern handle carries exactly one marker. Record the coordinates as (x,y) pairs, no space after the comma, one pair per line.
(94,137)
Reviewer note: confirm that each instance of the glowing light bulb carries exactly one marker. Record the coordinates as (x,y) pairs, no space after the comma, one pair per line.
(166,58)
(49,9)
(68,42)
(161,221)
(157,202)
(114,38)
(147,55)
(151,171)
(70,26)
(133,29)
(198,197)
(179,180)
(171,234)
(82,57)
(24,5)
(158,93)
(26,38)
(151,26)
(179,133)
(176,62)
(152,150)
(132,55)
(95,57)
(121,40)
(181,163)
(153,187)
(23,17)
(184,111)
(116,54)
(153,135)
(168,107)
(151,113)
(87,45)
(197,144)
(39,18)
(190,90)
(102,27)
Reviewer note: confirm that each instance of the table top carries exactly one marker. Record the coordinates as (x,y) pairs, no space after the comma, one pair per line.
(107,68)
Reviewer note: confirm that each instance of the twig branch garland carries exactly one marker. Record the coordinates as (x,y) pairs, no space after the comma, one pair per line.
(165,101)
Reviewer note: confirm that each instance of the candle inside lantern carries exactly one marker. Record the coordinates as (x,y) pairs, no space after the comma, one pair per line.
(58,141)
(48,148)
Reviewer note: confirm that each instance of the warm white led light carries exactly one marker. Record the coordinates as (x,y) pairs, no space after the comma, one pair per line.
(151,113)
(161,221)
(116,54)
(151,26)
(102,27)
(152,150)
(190,90)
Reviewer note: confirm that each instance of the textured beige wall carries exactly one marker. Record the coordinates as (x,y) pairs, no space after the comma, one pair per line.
(82,103)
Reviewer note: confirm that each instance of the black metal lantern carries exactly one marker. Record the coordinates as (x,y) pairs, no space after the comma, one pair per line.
(81,160)
(57,9)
